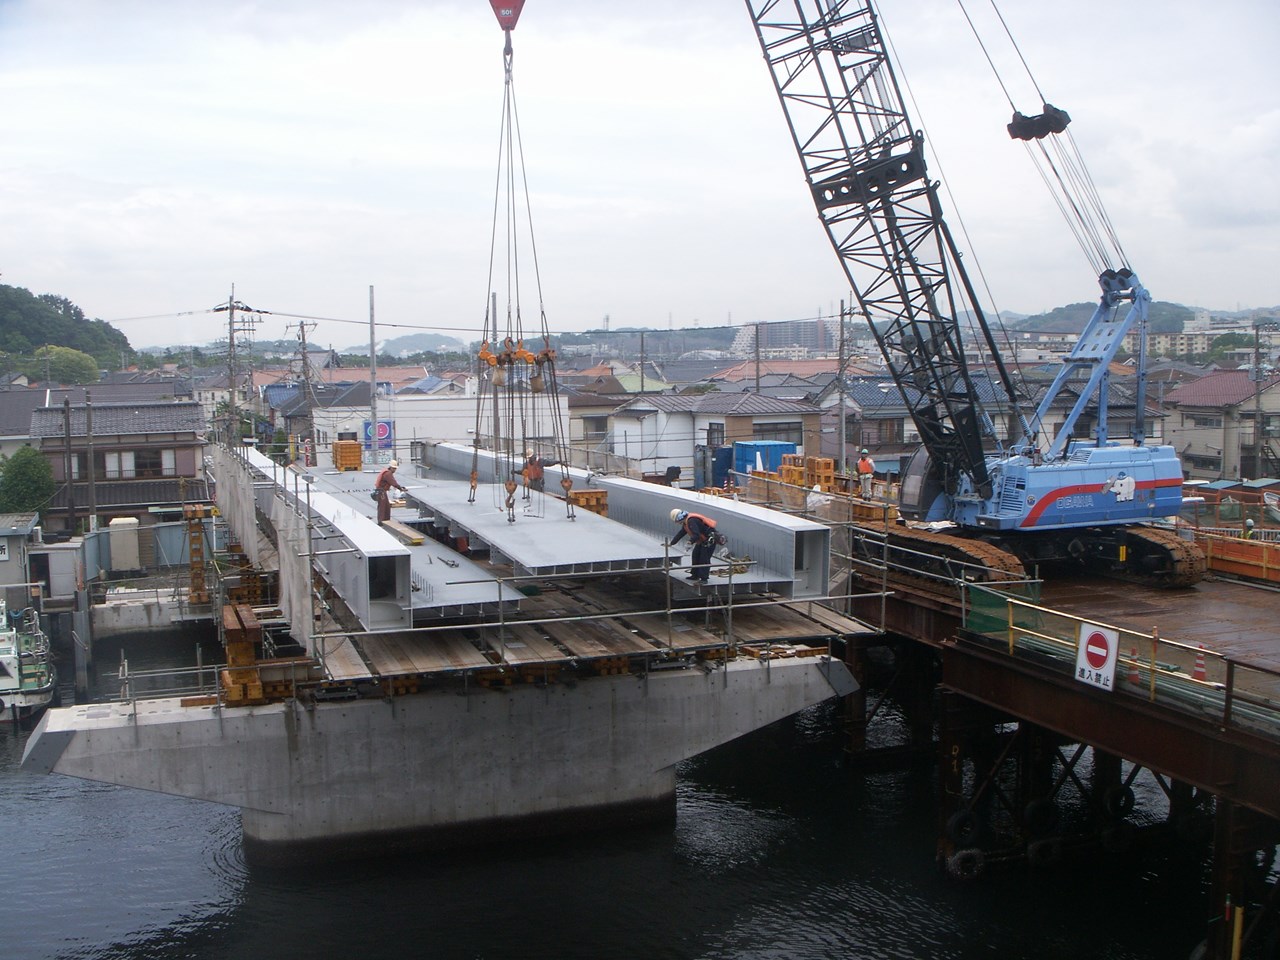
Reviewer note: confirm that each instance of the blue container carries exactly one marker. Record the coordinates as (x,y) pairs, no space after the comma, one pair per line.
(770,453)
(721,464)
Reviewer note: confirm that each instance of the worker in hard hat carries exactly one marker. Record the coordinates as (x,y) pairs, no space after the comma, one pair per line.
(702,534)
(535,470)
(1248,530)
(382,487)
(866,468)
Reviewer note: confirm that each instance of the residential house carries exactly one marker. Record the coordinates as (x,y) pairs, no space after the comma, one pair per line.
(1224,425)
(661,431)
(136,460)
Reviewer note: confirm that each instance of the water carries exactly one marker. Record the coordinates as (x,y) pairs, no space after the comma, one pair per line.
(779,851)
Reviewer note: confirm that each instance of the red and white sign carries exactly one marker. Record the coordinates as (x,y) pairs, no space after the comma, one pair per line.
(1096,656)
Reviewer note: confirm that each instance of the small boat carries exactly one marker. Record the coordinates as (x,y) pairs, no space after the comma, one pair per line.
(27,678)
(1272,503)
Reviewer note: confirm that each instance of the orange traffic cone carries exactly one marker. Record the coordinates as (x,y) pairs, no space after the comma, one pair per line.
(1133,666)
(1198,672)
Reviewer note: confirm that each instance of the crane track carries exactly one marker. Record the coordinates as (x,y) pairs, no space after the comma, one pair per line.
(1186,561)
(922,555)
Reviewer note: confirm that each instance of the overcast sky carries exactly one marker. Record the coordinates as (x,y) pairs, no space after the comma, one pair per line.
(153,154)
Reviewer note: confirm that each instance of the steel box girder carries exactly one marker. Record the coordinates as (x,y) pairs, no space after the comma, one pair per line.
(1228,763)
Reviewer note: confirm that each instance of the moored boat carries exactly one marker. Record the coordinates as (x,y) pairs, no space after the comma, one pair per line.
(27,678)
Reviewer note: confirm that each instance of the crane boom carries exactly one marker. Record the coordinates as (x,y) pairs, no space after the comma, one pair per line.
(866,170)
(865,167)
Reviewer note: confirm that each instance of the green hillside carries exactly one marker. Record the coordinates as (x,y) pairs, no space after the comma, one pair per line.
(29,322)
(1164,317)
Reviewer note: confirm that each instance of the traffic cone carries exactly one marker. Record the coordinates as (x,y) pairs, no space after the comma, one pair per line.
(1198,672)
(1133,666)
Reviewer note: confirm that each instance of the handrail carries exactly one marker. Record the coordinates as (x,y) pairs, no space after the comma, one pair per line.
(1186,677)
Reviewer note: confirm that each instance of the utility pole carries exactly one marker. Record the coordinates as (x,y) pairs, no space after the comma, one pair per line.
(1257,377)
(251,319)
(373,384)
(88,456)
(757,357)
(840,384)
(642,361)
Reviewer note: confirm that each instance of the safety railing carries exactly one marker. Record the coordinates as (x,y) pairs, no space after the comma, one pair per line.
(1230,552)
(1185,677)
(202,679)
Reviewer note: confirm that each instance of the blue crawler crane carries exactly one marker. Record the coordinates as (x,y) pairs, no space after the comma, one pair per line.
(1041,498)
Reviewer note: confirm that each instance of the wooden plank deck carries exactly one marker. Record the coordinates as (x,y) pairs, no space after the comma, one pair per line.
(421,653)
(596,638)
(342,661)
(835,622)
(684,634)
(525,645)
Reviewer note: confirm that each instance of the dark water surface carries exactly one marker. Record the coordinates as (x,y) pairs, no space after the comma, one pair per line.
(779,851)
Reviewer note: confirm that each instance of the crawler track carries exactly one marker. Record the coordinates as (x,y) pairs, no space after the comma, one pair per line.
(914,555)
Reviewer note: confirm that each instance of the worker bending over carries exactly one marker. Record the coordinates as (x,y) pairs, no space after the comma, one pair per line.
(702,534)
(386,480)
(535,470)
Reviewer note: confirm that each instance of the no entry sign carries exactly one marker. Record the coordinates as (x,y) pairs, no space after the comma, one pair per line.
(1096,655)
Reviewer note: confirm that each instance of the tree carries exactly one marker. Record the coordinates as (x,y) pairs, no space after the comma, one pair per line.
(26,482)
(1221,345)
(62,365)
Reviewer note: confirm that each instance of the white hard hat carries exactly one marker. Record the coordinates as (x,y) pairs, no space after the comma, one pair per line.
(864,450)
(677,515)
(1248,523)
(394,464)
(528,452)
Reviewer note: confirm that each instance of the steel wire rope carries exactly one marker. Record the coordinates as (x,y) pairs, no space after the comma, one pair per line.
(1076,184)
(1022,390)
(547,355)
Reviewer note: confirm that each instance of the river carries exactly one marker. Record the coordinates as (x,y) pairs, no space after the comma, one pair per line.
(779,850)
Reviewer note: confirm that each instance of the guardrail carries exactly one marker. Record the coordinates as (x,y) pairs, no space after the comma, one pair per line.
(1227,551)
(1187,678)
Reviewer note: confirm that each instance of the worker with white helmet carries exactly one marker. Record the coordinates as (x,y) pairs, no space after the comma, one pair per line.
(1248,530)
(866,468)
(702,534)
(382,487)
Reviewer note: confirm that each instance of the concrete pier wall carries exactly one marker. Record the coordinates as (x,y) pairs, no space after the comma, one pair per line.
(444,759)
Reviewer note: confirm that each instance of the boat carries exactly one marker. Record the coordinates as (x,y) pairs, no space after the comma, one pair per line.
(27,676)
(1271,501)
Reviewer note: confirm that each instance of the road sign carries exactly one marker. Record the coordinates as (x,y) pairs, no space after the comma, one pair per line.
(386,435)
(1096,656)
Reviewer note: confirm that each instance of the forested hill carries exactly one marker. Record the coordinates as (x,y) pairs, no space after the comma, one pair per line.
(28,322)
(1164,317)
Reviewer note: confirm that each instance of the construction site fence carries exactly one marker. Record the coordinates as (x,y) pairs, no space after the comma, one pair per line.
(1229,552)
(1182,676)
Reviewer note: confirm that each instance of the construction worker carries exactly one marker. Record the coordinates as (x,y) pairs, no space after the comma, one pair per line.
(535,470)
(866,468)
(1248,530)
(702,534)
(382,486)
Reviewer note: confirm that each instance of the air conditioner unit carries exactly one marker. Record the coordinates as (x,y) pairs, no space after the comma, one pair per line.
(37,534)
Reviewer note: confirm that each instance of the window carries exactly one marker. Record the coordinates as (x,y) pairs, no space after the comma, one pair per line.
(1207,422)
(715,434)
(595,428)
(118,465)
(792,432)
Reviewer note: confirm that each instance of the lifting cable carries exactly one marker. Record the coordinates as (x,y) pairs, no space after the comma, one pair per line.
(518,385)
(1059,161)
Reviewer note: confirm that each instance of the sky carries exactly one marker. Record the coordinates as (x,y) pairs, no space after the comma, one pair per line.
(155,156)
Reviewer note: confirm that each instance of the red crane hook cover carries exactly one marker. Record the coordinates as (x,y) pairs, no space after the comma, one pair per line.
(507,12)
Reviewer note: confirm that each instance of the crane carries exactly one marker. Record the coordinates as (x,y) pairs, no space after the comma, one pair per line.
(1034,497)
